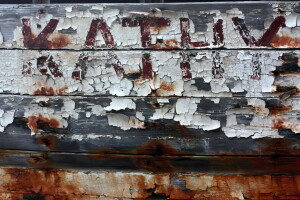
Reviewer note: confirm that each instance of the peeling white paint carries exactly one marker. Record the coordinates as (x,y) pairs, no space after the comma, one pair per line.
(120,104)
(101,77)
(124,122)
(6,118)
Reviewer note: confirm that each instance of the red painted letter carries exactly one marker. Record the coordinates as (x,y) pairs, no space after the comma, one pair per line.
(145,24)
(40,42)
(266,38)
(96,25)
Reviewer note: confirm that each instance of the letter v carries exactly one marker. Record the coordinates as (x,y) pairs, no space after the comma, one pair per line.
(266,38)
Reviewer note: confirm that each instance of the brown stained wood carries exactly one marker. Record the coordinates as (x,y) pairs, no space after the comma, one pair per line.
(58,184)
(151,26)
(106,160)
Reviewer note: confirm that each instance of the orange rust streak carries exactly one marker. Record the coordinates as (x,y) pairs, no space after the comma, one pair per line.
(280,124)
(166,86)
(59,41)
(49,91)
(64,184)
(34,121)
(280,41)
(278,110)
(44,91)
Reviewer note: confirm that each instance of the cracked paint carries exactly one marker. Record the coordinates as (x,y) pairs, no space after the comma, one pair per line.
(19,183)
(103,26)
(186,73)
(169,77)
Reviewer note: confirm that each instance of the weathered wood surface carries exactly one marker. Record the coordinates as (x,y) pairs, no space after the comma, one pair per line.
(189,123)
(152,26)
(223,73)
(31,184)
(154,159)
(125,88)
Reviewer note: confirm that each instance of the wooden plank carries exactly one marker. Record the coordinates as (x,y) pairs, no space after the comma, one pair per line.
(226,73)
(87,185)
(164,160)
(151,26)
(193,126)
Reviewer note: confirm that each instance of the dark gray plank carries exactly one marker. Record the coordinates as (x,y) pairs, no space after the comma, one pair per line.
(227,126)
(156,163)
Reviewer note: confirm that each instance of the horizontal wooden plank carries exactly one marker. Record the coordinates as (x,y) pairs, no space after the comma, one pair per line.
(158,162)
(192,126)
(24,184)
(151,26)
(225,73)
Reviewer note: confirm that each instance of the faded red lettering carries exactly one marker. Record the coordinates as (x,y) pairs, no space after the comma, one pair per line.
(218,33)
(119,69)
(52,66)
(145,24)
(186,38)
(41,41)
(99,25)
(185,67)
(266,38)
(147,66)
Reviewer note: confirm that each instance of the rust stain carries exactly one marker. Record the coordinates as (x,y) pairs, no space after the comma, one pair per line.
(49,91)
(167,44)
(138,124)
(279,147)
(41,161)
(39,182)
(166,87)
(59,41)
(281,124)
(158,162)
(49,141)
(278,124)
(258,110)
(36,122)
(286,91)
(280,41)
(63,185)
(279,109)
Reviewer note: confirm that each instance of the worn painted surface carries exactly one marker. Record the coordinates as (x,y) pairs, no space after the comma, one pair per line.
(140,73)
(159,26)
(160,101)
(59,184)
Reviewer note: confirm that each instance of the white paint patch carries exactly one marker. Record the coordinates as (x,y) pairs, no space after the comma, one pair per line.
(6,118)
(124,122)
(120,104)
